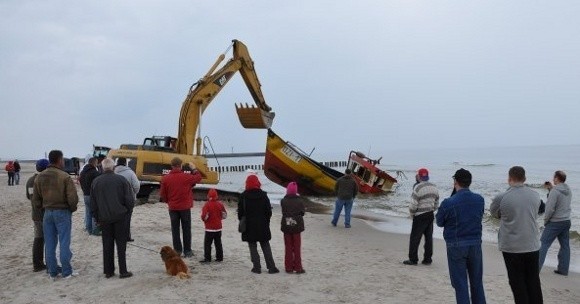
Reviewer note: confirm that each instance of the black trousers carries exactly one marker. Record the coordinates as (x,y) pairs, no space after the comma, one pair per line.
(10,178)
(213,237)
(115,233)
(129,215)
(267,250)
(524,276)
(181,218)
(422,226)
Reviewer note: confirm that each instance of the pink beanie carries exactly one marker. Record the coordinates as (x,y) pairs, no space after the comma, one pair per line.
(292,189)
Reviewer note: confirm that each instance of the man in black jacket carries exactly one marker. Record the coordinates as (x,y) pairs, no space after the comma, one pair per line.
(346,189)
(111,201)
(88,174)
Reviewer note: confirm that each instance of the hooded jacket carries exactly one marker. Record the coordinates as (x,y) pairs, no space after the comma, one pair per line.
(9,167)
(213,212)
(558,206)
(54,189)
(88,174)
(255,205)
(130,176)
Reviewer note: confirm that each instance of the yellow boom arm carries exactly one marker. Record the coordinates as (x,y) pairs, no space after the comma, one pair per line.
(200,96)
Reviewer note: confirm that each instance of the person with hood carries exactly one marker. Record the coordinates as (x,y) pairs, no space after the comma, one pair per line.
(212,214)
(37,215)
(111,201)
(557,223)
(424,202)
(346,190)
(254,207)
(17,169)
(176,192)
(292,206)
(88,174)
(131,177)
(10,170)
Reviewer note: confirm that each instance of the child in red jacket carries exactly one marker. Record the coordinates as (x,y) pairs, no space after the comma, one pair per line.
(212,214)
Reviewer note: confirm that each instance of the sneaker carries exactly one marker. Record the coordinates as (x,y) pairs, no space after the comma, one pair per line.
(273,270)
(127,274)
(560,273)
(72,275)
(333,224)
(426,262)
(52,278)
(188,254)
(255,270)
(409,262)
(346,226)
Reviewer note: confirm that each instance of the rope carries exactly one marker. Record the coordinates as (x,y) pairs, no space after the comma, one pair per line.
(142,247)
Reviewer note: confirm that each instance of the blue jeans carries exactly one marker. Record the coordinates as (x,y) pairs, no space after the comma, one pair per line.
(57,226)
(464,262)
(90,224)
(560,230)
(347,204)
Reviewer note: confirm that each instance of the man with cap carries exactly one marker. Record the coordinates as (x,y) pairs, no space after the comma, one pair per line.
(131,177)
(425,200)
(37,215)
(519,236)
(460,216)
(346,190)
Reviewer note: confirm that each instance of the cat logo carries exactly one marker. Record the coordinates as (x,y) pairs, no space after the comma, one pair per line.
(221,81)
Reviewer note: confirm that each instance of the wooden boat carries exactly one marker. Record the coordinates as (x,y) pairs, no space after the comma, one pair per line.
(285,163)
(370,178)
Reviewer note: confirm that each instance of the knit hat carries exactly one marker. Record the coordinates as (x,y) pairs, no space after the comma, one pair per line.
(212,195)
(41,164)
(292,189)
(423,174)
(252,182)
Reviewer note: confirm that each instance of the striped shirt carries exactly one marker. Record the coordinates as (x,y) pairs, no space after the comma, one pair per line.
(425,198)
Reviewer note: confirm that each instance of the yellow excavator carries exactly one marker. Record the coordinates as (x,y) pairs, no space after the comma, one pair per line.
(152,159)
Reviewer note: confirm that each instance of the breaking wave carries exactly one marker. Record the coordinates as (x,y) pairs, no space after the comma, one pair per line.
(473,165)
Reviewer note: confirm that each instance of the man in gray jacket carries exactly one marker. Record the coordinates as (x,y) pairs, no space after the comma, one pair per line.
(111,201)
(557,223)
(131,177)
(518,236)
(346,190)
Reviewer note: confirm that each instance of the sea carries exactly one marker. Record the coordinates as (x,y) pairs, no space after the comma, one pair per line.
(488,166)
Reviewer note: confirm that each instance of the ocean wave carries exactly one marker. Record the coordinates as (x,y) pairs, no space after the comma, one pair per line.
(473,165)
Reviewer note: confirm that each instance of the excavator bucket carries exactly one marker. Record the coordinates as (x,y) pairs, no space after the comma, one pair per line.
(252,117)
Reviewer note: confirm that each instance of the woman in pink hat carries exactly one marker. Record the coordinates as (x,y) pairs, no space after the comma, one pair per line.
(292,225)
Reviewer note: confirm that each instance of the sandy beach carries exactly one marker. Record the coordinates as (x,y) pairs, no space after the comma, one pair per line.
(357,265)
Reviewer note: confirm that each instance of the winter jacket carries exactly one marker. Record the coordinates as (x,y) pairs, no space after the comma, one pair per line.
(16,166)
(111,198)
(461,216)
(517,209)
(9,167)
(292,214)
(176,189)
(131,177)
(255,205)
(37,214)
(86,178)
(54,189)
(346,188)
(425,198)
(558,207)
(212,214)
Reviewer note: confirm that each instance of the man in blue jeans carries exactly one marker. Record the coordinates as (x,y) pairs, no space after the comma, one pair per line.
(346,190)
(88,174)
(461,216)
(557,223)
(55,192)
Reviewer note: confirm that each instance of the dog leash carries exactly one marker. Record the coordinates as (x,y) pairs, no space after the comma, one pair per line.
(142,247)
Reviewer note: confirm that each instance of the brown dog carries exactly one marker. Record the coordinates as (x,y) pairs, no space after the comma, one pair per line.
(174,265)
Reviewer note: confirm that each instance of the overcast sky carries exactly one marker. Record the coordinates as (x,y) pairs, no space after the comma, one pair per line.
(340,75)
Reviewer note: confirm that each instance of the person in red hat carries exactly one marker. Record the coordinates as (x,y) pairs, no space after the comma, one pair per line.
(212,214)
(425,200)
(292,225)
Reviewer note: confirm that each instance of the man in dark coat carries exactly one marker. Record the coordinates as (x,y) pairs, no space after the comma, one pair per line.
(37,216)
(86,178)
(111,201)
(255,206)
(346,190)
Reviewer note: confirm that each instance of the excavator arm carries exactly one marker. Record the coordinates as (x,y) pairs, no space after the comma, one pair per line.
(206,89)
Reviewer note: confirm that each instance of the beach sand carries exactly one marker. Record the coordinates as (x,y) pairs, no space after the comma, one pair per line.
(356,265)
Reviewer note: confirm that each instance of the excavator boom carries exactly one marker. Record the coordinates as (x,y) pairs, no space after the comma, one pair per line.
(204,91)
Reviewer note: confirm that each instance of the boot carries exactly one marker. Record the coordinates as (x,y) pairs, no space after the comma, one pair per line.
(38,254)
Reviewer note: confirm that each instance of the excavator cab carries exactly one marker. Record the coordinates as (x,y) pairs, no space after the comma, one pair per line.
(160,143)
(252,117)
